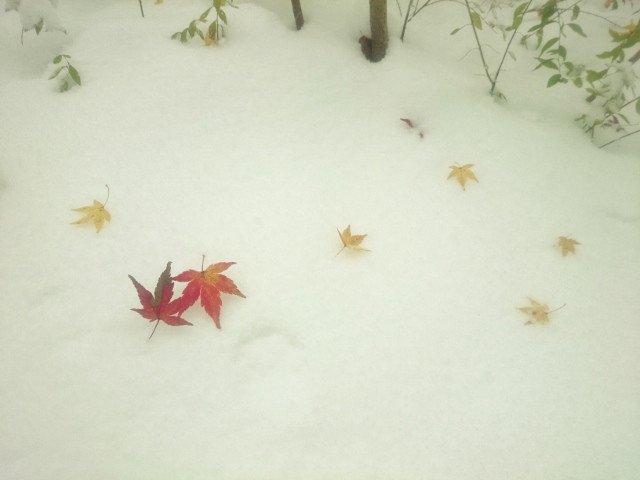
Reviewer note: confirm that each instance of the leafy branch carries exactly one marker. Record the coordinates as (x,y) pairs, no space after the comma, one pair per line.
(476,24)
(67,73)
(214,31)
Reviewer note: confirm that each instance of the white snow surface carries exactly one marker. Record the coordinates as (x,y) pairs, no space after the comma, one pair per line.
(410,361)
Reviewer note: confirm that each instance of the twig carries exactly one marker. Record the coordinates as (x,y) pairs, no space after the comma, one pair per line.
(619,138)
(475,34)
(406,20)
(506,50)
(142,12)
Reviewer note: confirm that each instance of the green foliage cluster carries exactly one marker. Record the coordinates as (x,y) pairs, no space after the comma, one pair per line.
(214,31)
(67,74)
(608,78)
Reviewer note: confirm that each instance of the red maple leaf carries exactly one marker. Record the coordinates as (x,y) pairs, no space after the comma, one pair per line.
(159,306)
(207,284)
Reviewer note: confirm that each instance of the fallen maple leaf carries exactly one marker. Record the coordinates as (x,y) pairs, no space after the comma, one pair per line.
(95,213)
(539,313)
(207,284)
(159,306)
(351,241)
(462,174)
(567,245)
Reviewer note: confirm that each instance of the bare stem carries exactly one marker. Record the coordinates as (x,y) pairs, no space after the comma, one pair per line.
(406,20)
(619,138)
(142,12)
(475,34)
(108,193)
(506,50)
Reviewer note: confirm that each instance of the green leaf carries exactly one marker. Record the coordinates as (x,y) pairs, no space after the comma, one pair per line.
(549,44)
(203,16)
(519,11)
(175,36)
(75,76)
(557,78)
(577,82)
(516,23)
(183,36)
(536,27)
(213,31)
(38,26)
(546,62)
(56,73)
(575,12)
(638,106)
(476,20)
(456,30)
(562,51)
(606,54)
(518,16)
(548,9)
(222,15)
(593,76)
(57,59)
(576,28)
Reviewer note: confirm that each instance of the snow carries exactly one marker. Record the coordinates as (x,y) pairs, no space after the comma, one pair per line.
(409,361)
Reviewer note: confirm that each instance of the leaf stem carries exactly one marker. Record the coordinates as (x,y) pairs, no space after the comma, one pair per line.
(556,309)
(108,193)
(154,329)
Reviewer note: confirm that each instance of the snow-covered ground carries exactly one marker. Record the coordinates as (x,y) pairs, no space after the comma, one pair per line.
(411,361)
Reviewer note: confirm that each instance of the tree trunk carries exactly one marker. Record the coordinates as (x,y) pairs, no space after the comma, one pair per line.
(379,32)
(297,13)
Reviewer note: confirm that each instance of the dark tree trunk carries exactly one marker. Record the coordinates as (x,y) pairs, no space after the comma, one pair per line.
(379,32)
(297,13)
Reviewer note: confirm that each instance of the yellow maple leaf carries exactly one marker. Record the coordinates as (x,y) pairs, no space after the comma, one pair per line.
(95,213)
(567,245)
(462,174)
(539,313)
(351,241)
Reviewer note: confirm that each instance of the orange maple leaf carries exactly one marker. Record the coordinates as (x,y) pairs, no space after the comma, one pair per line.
(351,241)
(207,284)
